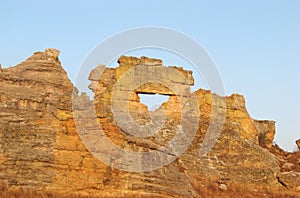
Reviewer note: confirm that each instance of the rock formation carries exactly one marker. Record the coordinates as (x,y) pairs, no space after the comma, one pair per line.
(45,124)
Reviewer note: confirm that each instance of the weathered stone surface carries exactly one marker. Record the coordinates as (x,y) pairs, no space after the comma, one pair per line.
(31,94)
(298,144)
(52,52)
(290,179)
(40,146)
(240,133)
(266,132)
(223,187)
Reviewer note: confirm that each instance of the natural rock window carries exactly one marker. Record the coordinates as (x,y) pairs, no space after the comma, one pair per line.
(153,101)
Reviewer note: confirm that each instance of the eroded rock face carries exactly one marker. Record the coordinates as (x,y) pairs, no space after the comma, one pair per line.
(32,95)
(266,132)
(290,179)
(40,146)
(298,144)
(240,132)
(52,52)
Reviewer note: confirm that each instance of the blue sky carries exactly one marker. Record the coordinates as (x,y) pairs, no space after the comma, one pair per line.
(255,44)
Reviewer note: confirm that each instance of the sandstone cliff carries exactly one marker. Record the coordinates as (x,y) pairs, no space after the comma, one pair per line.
(45,125)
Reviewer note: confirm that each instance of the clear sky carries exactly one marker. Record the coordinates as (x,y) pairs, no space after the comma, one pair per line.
(255,44)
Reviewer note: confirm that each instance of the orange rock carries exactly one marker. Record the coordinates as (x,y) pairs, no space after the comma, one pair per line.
(298,143)
(41,146)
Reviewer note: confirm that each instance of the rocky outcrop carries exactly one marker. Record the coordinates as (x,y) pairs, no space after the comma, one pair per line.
(46,128)
(298,144)
(266,132)
(32,94)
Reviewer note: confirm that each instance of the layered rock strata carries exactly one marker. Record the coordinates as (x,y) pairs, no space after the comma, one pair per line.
(45,123)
